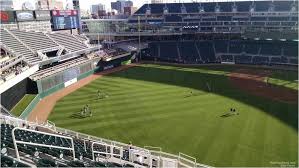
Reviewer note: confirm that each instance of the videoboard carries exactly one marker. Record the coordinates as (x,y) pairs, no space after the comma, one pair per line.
(65,19)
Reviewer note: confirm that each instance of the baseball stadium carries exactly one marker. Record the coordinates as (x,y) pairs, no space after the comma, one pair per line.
(197,84)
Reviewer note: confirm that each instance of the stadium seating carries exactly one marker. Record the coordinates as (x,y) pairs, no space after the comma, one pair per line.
(238,51)
(260,60)
(221,46)
(45,145)
(227,58)
(83,156)
(290,49)
(276,60)
(154,49)
(243,59)
(173,18)
(251,48)
(224,6)
(235,47)
(294,61)
(262,6)
(188,52)
(11,162)
(270,48)
(58,68)
(169,51)
(35,40)
(13,43)
(69,41)
(207,52)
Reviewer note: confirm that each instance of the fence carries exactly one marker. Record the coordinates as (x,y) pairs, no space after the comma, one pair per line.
(30,107)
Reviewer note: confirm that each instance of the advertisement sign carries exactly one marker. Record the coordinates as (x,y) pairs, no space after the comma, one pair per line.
(70,82)
(65,19)
(24,16)
(42,15)
(65,13)
(108,67)
(7,16)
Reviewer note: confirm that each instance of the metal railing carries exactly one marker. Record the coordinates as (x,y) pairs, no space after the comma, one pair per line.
(15,142)
(156,152)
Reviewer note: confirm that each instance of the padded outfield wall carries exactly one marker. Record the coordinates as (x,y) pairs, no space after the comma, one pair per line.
(62,79)
(13,95)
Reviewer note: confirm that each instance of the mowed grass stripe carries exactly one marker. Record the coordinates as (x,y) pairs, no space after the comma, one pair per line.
(147,106)
(113,96)
(139,110)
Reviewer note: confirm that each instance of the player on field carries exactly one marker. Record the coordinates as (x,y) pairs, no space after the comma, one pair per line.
(99,94)
(89,111)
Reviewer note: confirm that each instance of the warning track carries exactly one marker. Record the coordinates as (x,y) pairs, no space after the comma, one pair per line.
(43,109)
(254,83)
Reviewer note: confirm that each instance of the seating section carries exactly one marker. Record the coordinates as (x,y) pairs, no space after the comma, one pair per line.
(27,43)
(114,52)
(11,42)
(207,52)
(45,156)
(173,18)
(221,46)
(235,47)
(68,41)
(154,49)
(188,52)
(227,58)
(260,60)
(242,6)
(237,51)
(291,49)
(169,51)
(251,48)
(55,68)
(82,38)
(35,40)
(271,49)
(11,162)
(243,59)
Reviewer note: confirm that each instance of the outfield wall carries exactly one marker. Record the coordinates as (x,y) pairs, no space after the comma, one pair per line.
(13,95)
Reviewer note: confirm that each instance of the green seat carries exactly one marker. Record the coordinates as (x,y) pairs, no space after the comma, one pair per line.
(76,164)
(46,163)
(99,164)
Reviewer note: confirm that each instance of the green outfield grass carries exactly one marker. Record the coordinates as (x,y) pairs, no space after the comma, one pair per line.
(151,105)
(22,104)
(287,79)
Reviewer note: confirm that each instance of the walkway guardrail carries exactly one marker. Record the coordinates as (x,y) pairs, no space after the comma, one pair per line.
(182,159)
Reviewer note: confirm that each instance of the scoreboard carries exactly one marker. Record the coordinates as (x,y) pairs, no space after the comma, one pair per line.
(65,19)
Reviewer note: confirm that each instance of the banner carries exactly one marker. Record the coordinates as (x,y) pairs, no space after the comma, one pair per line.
(70,82)
(7,16)
(65,13)
(42,15)
(24,16)
(108,67)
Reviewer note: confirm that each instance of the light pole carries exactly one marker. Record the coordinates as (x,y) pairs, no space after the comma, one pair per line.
(139,37)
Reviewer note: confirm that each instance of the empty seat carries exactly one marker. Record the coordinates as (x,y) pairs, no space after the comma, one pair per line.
(68,41)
